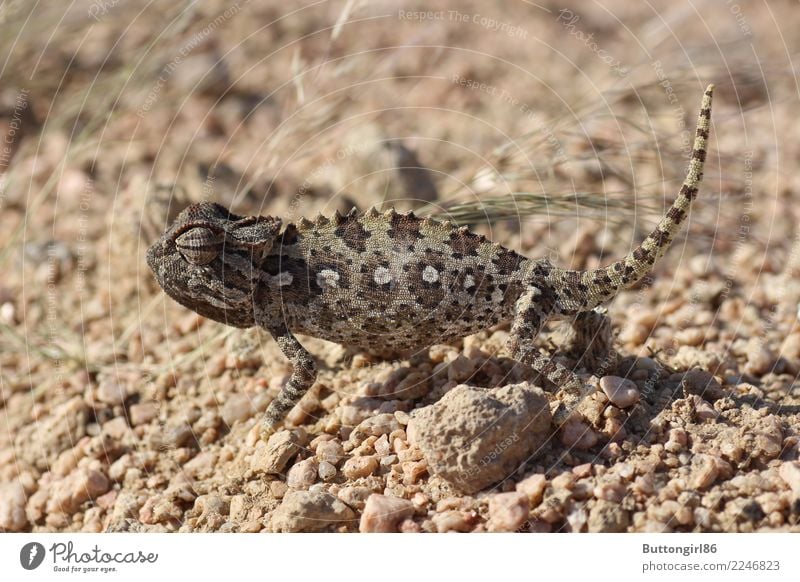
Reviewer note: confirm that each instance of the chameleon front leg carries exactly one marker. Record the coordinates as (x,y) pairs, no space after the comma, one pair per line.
(530,314)
(304,373)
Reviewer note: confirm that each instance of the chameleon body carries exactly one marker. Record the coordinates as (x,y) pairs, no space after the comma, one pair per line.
(388,283)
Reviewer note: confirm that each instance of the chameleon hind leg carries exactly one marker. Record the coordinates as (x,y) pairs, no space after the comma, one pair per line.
(588,339)
(531,312)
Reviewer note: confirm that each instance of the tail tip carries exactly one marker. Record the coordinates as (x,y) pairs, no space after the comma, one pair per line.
(710,89)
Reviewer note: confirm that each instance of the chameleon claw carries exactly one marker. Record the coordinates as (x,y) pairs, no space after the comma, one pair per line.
(267,430)
(570,400)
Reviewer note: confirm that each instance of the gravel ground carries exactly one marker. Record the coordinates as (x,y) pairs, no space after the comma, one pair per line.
(122,411)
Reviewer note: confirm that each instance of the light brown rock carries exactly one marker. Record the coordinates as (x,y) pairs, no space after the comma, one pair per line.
(237,408)
(452,520)
(143,413)
(271,457)
(508,511)
(704,472)
(704,411)
(81,485)
(769,437)
(476,437)
(330,451)
(578,435)
(790,473)
(357,467)
(383,514)
(533,487)
(326,471)
(620,391)
(790,348)
(112,392)
(302,475)
(39,443)
(377,425)
(608,517)
(310,511)
(703,384)
(12,507)
(760,359)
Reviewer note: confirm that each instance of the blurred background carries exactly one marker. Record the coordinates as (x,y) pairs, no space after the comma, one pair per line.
(560,131)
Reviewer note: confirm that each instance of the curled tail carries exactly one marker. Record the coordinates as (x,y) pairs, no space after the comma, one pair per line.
(588,289)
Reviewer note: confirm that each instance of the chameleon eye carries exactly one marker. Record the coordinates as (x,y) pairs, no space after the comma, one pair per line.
(199,245)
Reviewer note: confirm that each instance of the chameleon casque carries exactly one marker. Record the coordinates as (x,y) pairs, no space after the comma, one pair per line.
(389,283)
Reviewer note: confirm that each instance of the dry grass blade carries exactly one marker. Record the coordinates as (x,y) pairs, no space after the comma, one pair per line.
(615,207)
(46,347)
(190,357)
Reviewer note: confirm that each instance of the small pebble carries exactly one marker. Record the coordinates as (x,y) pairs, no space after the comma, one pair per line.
(174,437)
(7,312)
(790,473)
(704,411)
(581,471)
(676,441)
(608,517)
(309,511)
(452,521)
(692,336)
(508,511)
(272,457)
(302,475)
(380,424)
(388,460)
(402,417)
(357,467)
(355,497)
(81,485)
(330,451)
(237,408)
(382,446)
(278,489)
(111,392)
(143,413)
(533,487)
(578,435)
(564,481)
(703,384)
(12,507)
(383,514)
(704,472)
(620,391)
(613,491)
(703,517)
(413,471)
(326,470)
(790,348)
(760,359)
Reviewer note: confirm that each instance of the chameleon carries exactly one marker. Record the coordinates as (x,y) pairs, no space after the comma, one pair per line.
(389,283)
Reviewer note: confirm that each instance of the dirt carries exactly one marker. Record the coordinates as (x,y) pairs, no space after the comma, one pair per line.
(122,411)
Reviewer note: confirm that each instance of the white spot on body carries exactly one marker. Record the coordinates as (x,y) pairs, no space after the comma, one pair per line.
(497,296)
(282,279)
(430,275)
(469,282)
(328,278)
(382,276)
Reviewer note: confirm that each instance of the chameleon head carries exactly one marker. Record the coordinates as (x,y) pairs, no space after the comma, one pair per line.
(209,259)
